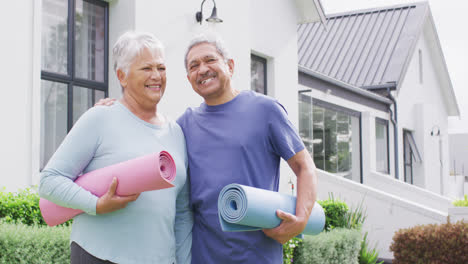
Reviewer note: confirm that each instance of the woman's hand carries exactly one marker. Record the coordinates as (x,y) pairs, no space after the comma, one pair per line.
(105,102)
(110,202)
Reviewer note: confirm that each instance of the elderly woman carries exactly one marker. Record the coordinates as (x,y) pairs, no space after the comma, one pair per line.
(154,227)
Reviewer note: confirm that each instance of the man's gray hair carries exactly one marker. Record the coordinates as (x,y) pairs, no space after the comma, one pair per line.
(214,40)
(129,46)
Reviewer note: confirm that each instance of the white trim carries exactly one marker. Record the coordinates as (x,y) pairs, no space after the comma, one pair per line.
(344,85)
(36,93)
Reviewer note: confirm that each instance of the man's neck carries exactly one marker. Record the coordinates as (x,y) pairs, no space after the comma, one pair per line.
(224,98)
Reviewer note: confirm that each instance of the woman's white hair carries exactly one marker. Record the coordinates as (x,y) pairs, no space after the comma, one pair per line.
(129,46)
(212,39)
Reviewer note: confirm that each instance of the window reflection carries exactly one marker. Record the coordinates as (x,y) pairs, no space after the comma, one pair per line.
(53,118)
(334,135)
(54,36)
(89,41)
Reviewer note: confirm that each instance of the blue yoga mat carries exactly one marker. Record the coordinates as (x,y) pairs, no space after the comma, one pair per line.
(244,208)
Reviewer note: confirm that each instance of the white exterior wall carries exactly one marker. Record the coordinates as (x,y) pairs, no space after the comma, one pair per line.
(458,144)
(386,213)
(420,108)
(16,70)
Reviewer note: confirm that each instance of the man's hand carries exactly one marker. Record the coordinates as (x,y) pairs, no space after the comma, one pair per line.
(110,202)
(290,227)
(105,102)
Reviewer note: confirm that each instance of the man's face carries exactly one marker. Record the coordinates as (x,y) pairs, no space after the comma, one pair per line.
(208,73)
(145,81)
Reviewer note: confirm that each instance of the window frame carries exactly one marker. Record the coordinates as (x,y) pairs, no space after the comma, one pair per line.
(409,142)
(69,79)
(386,124)
(264,62)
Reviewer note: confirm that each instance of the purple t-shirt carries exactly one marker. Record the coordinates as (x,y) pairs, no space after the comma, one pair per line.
(241,142)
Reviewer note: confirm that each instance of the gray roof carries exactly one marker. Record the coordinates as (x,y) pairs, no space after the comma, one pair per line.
(362,48)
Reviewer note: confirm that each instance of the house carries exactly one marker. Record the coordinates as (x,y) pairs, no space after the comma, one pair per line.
(374,98)
(458,146)
(57,62)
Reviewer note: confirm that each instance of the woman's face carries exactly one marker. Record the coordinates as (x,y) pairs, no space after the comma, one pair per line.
(145,81)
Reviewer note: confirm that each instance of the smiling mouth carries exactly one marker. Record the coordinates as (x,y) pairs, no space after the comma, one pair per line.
(156,87)
(206,80)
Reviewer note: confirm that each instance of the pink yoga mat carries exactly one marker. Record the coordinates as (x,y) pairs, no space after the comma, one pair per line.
(147,173)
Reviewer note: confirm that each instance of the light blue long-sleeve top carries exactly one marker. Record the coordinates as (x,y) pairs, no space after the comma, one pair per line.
(156,228)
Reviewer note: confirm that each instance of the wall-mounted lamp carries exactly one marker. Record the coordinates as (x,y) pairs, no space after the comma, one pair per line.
(213,18)
(435,131)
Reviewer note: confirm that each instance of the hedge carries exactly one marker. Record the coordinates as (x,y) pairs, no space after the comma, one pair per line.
(20,243)
(335,247)
(434,243)
(22,207)
(335,213)
(461,202)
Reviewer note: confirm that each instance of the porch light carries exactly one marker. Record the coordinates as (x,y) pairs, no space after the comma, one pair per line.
(213,18)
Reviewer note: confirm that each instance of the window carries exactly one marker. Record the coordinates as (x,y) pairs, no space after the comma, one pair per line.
(73,66)
(381,145)
(410,154)
(258,74)
(332,135)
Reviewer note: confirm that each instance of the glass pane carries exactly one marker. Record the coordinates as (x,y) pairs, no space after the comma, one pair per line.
(305,121)
(54,36)
(408,159)
(318,139)
(355,148)
(83,99)
(343,139)
(331,158)
(53,118)
(381,139)
(257,71)
(89,41)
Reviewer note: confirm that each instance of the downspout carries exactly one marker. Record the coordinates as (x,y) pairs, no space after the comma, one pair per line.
(394,120)
(393,117)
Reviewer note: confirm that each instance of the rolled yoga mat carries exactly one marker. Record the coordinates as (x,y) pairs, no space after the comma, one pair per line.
(147,173)
(244,208)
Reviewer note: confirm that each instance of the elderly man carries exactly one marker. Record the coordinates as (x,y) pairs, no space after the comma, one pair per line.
(238,137)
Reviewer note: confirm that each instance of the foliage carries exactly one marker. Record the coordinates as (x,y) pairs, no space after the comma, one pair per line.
(461,203)
(288,249)
(366,255)
(21,207)
(434,243)
(338,214)
(335,212)
(335,247)
(20,243)
(355,217)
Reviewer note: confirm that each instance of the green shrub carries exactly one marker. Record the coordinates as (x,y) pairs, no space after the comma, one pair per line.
(335,247)
(461,203)
(355,217)
(20,243)
(442,243)
(288,249)
(22,207)
(335,212)
(368,255)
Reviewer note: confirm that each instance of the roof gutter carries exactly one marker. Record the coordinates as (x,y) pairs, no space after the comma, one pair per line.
(345,86)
